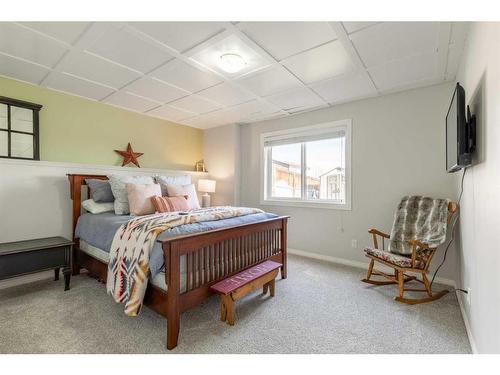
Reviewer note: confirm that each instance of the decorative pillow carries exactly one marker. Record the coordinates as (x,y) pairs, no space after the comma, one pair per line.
(118,187)
(170,204)
(139,198)
(97,208)
(172,180)
(189,190)
(100,190)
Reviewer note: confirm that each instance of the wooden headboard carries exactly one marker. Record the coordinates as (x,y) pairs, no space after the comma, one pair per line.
(76,182)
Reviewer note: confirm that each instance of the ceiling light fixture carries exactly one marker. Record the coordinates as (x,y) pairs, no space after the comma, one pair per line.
(232,62)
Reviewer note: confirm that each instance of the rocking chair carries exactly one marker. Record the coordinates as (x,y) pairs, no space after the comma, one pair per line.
(417,264)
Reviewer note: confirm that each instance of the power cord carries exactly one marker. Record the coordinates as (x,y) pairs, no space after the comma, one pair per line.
(452,234)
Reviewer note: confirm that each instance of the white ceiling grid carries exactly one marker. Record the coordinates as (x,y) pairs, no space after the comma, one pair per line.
(170,70)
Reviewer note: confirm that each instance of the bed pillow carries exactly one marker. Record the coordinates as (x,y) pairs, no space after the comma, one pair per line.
(172,180)
(100,190)
(97,208)
(180,190)
(170,204)
(139,198)
(119,189)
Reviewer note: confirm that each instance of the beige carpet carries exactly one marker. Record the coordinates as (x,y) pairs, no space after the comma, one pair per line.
(320,308)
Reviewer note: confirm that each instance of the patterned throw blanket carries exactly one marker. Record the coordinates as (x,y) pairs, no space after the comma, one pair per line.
(128,268)
(418,218)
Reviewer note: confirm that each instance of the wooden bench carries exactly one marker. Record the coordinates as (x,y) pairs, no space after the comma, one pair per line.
(239,285)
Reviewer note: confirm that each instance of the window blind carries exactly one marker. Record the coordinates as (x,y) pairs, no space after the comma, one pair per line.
(305,136)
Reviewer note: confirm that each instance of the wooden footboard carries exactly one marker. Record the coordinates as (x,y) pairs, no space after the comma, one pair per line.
(209,257)
(212,256)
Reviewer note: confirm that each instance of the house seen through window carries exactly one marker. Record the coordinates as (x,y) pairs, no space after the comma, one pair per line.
(307,165)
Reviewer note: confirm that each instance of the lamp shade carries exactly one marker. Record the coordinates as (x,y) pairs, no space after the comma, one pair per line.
(206,186)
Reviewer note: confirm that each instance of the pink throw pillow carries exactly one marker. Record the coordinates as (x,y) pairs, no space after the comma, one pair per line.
(170,204)
(139,198)
(180,190)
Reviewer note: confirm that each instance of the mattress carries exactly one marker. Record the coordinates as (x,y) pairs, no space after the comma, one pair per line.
(98,230)
(158,280)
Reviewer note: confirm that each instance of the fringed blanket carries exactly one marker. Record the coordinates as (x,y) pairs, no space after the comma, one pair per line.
(418,218)
(128,268)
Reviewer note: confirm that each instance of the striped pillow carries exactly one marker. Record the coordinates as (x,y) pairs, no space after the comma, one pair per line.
(170,204)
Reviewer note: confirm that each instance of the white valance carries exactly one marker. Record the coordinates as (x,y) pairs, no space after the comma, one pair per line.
(304,136)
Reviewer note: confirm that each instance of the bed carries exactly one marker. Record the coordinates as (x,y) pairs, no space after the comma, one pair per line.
(185,262)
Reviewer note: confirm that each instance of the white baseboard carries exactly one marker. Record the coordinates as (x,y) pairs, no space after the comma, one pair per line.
(472,342)
(25,279)
(352,263)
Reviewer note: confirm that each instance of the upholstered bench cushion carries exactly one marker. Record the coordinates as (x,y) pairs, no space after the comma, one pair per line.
(398,260)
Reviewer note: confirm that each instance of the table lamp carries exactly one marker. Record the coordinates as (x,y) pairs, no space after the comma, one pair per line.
(206,187)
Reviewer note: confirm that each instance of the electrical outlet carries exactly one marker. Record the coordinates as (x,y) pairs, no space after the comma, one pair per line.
(354,244)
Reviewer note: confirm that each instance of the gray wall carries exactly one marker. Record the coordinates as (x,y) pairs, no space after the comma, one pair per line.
(398,148)
(221,155)
(479,250)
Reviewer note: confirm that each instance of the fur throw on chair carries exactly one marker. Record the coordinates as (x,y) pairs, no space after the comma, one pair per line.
(418,218)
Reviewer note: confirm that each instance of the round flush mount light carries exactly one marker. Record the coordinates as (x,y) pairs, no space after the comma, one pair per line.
(232,62)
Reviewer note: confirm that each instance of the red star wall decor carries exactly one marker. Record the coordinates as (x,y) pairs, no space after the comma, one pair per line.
(129,156)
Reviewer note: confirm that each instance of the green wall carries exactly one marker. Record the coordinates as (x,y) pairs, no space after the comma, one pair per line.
(73,129)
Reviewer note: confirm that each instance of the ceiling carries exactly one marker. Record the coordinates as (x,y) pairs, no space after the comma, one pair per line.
(168,70)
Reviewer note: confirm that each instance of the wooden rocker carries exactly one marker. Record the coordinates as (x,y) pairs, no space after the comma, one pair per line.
(417,264)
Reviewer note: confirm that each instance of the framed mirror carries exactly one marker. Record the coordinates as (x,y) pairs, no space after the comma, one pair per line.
(19,129)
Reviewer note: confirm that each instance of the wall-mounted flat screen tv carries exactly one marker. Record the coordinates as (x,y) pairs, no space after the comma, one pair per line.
(460,133)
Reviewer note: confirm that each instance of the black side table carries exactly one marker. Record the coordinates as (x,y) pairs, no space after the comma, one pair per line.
(24,257)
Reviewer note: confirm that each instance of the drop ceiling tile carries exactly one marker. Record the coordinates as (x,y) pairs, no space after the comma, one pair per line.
(179,35)
(200,122)
(210,56)
(130,102)
(395,40)
(453,62)
(156,90)
(270,81)
(283,39)
(122,46)
(185,76)
(74,85)
(320,63)
(455,49)
(245,112)
(171,113)
(226,94)
(345,87)
(402,72)
(459,32)
(67,32)
(195,104)
(88,66)
(20,42)
(297,99)
(22,70)
(352,27)
(222,117)
(252,109)
(266,117)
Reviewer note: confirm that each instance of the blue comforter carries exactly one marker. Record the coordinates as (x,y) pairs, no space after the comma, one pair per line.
(98,230)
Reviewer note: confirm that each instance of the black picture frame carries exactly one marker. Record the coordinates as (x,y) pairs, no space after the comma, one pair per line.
(10,102)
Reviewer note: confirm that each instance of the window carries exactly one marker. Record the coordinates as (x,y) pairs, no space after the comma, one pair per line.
(19,129)
(307,166)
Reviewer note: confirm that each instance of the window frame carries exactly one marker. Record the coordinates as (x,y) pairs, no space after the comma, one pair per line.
(266,168)
(36,127)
